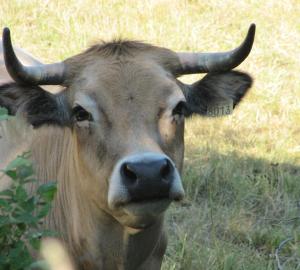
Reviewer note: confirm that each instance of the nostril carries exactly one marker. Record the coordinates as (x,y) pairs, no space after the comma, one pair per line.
(128,172)
(165,169)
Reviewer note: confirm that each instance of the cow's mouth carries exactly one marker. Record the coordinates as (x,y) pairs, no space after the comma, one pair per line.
(147,207)
(153,198)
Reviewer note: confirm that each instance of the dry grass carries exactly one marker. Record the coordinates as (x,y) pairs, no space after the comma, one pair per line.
(242,172)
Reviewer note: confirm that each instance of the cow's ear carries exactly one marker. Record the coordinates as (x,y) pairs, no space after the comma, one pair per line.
(35,104)
(217,93)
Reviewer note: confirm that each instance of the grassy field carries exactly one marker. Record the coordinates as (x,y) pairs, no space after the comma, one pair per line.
(242,172)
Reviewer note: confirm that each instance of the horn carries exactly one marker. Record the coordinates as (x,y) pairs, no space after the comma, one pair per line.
(51,74)
(209,62)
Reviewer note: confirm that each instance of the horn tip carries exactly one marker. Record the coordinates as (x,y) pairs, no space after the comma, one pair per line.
(252,28)
(6,33)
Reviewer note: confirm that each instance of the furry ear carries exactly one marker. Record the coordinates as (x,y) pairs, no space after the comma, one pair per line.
(37,105)
(215,90)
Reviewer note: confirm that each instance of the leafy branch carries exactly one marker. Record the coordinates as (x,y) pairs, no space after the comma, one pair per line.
(22,214)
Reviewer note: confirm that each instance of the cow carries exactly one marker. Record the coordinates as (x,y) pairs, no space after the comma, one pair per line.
(113,138)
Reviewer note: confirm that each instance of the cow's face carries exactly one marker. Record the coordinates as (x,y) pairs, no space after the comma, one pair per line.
(129,120)
(126,109)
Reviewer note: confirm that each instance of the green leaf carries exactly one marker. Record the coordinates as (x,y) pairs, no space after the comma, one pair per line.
(4,220)
(5,204)
(21,194)
(48,233)
(5,231)
(29,205)
(19,257)
(3,114)
(35,243)
(26,218)
(3,111)
(4,117)
(3,262)
(7,193)
(44,211)
(11,173)
(47,191)
(22,227)
(25,171)
(18,162)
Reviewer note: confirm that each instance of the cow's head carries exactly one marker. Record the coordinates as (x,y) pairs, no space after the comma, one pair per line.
(126,107)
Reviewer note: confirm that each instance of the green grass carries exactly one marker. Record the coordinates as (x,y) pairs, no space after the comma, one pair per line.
(242,172)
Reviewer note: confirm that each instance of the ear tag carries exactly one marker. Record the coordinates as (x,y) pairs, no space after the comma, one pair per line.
(220,108)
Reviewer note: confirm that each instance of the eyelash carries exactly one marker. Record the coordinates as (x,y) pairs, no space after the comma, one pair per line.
(80,114)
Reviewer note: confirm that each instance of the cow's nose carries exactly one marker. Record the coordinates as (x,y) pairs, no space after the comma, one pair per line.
(148,178)
(144,177)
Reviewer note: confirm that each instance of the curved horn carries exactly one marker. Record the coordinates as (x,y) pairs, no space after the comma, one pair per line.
(208,62)
(51,74)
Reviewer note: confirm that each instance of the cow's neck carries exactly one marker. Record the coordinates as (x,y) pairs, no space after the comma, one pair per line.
(122,248)
(149,245)
(117,247)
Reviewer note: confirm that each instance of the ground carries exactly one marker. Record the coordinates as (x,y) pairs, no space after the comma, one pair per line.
(241,172)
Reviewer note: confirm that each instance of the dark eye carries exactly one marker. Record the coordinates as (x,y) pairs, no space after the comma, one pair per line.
(80,114)
(180,109)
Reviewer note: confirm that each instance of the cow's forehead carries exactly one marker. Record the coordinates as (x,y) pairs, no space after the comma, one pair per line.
(127,83)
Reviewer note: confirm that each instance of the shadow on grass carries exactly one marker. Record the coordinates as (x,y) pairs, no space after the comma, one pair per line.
(237,210)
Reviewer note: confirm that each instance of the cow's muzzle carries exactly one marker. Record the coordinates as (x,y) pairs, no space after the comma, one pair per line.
(146,182)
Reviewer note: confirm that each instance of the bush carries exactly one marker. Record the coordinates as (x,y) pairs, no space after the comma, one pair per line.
(21,214)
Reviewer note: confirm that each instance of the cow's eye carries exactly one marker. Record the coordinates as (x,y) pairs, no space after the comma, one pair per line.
(180,109)
(80,114)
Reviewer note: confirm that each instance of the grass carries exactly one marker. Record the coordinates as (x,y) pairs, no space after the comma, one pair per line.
(241,172)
